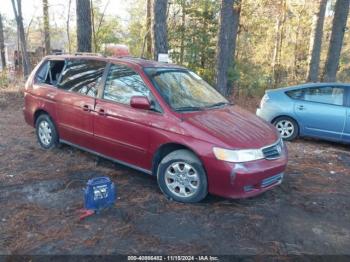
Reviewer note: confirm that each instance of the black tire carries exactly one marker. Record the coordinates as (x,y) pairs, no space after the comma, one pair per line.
(291,122)
(53,142)
(182,157)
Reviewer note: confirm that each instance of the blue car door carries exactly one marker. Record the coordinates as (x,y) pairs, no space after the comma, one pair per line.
(322,112)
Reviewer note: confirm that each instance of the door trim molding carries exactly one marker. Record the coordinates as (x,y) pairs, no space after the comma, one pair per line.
(107,157)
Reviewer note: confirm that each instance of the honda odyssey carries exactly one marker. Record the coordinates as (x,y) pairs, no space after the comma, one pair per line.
(158,118)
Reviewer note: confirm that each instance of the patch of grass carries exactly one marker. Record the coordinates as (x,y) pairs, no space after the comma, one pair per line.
(4,80)
(11,87)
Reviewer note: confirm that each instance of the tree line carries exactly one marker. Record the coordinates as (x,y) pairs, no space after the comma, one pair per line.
(234,44)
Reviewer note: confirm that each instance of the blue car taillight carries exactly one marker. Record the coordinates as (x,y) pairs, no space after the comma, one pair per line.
(264,99)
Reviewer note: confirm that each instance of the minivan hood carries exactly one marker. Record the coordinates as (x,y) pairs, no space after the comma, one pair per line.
(233,126)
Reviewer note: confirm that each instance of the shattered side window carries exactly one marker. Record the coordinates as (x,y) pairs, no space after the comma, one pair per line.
(42,73)
(82,76)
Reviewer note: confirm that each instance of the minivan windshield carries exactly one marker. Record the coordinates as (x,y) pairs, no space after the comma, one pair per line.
(183,90)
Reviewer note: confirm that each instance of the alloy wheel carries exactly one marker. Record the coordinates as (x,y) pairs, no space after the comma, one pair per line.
(182,179)
(45,133)
(286,128)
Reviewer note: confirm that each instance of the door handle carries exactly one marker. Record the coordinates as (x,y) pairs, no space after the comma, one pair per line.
(86,108)
(301,107)
(101,112)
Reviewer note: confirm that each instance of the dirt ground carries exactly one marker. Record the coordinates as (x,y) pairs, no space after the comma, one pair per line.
(41,191)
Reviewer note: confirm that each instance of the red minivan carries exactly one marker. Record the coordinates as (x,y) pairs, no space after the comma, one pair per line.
(158,118)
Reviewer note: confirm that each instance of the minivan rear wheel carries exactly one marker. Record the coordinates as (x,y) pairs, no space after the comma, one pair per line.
(46,132)
(181,177)
(287,127)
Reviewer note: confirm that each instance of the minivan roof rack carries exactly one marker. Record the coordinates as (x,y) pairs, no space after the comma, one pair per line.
(130,56)
(87,54)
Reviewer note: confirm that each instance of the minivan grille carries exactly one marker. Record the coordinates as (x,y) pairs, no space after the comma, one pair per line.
(273,152)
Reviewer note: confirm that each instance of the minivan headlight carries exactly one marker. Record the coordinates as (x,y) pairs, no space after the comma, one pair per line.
(238,156)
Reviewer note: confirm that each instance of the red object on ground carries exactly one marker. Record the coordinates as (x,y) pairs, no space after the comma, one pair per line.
(84,213)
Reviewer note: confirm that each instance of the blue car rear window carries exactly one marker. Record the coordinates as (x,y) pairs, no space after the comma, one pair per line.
(296,94)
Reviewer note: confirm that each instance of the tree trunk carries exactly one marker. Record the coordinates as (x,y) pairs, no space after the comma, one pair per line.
(160,27)
(84,29)
(229,21)
(96,35)
(17,10)
(46,27)
(67,25)
(316,42)
(149,28)
(236,19)
(183,28)
(296,48)
(276,58)
(339,25)
(94,38)
(2,45)
(204,42)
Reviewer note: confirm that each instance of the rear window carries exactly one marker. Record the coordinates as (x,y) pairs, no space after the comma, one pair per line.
(296,94)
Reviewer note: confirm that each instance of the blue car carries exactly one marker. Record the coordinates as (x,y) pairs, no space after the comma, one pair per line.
(319,110)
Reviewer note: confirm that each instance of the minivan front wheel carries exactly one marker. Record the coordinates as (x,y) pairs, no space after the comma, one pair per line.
(287,127)
(182,178)
(46,132)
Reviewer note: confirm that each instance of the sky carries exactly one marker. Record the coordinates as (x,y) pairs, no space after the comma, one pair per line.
(58,8)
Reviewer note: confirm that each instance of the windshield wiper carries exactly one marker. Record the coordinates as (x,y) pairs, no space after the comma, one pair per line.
(218,104)
(189,108)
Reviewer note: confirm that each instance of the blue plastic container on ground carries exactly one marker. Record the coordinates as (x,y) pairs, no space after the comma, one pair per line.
(100,193)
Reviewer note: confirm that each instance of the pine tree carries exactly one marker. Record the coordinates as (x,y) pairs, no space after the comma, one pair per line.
(84,27)
(2,45)
(316,42)
(160,27)
(338,29)
(229,20)
(46,27)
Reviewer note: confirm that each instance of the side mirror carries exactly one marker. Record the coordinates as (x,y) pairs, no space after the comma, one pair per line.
(140,102)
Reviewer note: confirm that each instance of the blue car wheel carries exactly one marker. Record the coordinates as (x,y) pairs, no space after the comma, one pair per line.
(287,127)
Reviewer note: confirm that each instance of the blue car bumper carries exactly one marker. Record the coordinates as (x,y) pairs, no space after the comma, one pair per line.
(265,114)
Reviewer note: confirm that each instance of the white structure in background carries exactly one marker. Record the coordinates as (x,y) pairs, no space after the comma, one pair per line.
(9,49)
(164,58)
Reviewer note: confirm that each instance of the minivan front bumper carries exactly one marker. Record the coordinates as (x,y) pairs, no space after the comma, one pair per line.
(245,179)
